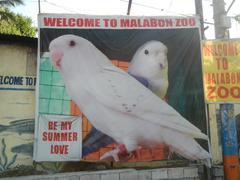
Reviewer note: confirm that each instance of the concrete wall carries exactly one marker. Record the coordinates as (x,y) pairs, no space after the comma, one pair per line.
(17,104)
(181,173)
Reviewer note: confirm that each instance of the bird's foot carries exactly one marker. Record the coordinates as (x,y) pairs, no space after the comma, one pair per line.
(116,154)
(170,153)
(110,154)
(133,154)
(122,150)
(170,156)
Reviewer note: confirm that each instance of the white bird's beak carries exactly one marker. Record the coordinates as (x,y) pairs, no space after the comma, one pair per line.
(56,57)
(162,65)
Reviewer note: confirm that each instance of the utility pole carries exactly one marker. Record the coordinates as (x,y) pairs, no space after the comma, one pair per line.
(228,121)
(220,20)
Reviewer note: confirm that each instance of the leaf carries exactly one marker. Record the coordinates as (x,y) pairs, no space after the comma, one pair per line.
(8,3)
(12,161)
(237,18)
(4,156)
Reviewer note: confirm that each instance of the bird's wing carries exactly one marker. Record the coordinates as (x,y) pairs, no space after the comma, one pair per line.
(117,90)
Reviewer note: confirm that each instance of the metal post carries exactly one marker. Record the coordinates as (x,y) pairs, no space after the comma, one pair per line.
(199,12)
(129,7)
(229,142)
(39,7)
(228,122)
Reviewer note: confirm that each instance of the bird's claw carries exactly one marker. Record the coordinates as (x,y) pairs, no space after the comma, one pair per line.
(113,154)
(170,153)
(116,154)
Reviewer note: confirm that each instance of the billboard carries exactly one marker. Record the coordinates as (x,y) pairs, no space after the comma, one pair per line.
(221,70)
(124,76)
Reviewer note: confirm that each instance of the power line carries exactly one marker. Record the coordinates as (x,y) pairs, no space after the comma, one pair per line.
(228,9)
(170,5)
(158,9)
(151,7)
(59,6)
(143,5)
(53,4)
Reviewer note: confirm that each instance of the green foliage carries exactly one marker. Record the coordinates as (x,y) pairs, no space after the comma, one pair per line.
(7,3)
(50,167)
(11,23)
(237,18)
(4,162)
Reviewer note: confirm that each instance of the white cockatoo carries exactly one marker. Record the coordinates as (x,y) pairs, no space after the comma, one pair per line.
(150,63)
(118,105)
(149,66)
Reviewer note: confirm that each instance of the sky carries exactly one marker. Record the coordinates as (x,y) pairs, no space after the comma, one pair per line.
(139,8)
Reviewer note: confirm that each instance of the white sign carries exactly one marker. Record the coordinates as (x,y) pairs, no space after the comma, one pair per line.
(77,21)
(59,138)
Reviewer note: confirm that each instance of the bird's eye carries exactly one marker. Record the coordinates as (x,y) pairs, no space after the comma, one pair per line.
(146,52)
(72,43)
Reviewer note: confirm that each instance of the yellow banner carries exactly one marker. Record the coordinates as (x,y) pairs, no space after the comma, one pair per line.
(221,70)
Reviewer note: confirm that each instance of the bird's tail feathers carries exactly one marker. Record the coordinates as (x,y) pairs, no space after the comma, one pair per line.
(207,162)
(189,149)
(201,136)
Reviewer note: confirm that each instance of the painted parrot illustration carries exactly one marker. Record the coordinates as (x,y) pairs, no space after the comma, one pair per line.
(149,66)
(118,105)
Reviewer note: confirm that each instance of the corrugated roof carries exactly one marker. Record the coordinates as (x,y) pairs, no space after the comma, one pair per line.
(8,38)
